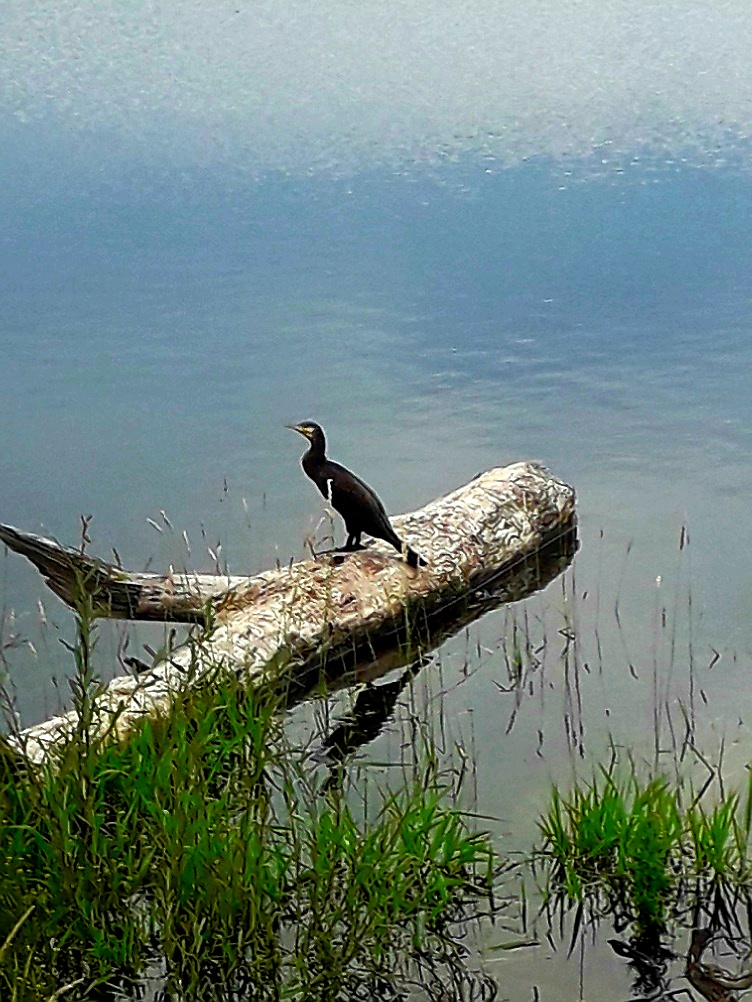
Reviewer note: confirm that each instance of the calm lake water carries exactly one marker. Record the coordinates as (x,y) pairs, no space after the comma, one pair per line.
(161,323)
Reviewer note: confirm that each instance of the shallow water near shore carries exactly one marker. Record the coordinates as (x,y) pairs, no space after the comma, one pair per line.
(585,306)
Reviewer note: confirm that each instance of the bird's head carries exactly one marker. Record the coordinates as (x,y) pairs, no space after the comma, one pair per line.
(310,430)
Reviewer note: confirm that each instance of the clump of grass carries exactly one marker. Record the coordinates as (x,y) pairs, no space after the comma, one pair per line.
(633,850)
(204,845)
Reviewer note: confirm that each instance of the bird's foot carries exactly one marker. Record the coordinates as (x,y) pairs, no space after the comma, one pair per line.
(337,553)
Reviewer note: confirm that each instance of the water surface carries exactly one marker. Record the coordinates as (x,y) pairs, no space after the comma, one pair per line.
(446,284)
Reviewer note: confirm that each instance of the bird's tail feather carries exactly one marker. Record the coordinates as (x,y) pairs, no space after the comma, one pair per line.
(414,559)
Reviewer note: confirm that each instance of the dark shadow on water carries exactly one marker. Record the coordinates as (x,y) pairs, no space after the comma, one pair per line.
(706,942)
(648,959)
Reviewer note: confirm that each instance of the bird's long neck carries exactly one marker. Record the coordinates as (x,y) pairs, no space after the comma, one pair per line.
(317,448)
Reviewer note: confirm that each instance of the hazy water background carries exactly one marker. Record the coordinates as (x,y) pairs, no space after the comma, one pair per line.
(457,236)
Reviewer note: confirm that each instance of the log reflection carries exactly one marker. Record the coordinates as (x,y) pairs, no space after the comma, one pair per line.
(409,645)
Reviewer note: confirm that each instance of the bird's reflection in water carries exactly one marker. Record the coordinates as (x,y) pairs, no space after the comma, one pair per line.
(409,646)
(373,706)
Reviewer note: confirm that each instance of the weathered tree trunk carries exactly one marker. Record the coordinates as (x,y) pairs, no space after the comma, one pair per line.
(279,622)
(180,597)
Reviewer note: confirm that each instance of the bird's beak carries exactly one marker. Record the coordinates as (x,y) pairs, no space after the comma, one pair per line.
(297,428)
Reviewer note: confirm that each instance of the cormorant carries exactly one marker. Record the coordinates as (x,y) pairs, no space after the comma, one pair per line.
(358,505)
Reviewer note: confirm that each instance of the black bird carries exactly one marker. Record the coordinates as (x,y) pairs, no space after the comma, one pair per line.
(358,505)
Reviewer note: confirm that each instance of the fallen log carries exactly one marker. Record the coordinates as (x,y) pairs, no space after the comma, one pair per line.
(409,648)
(277,624)
(114,593)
